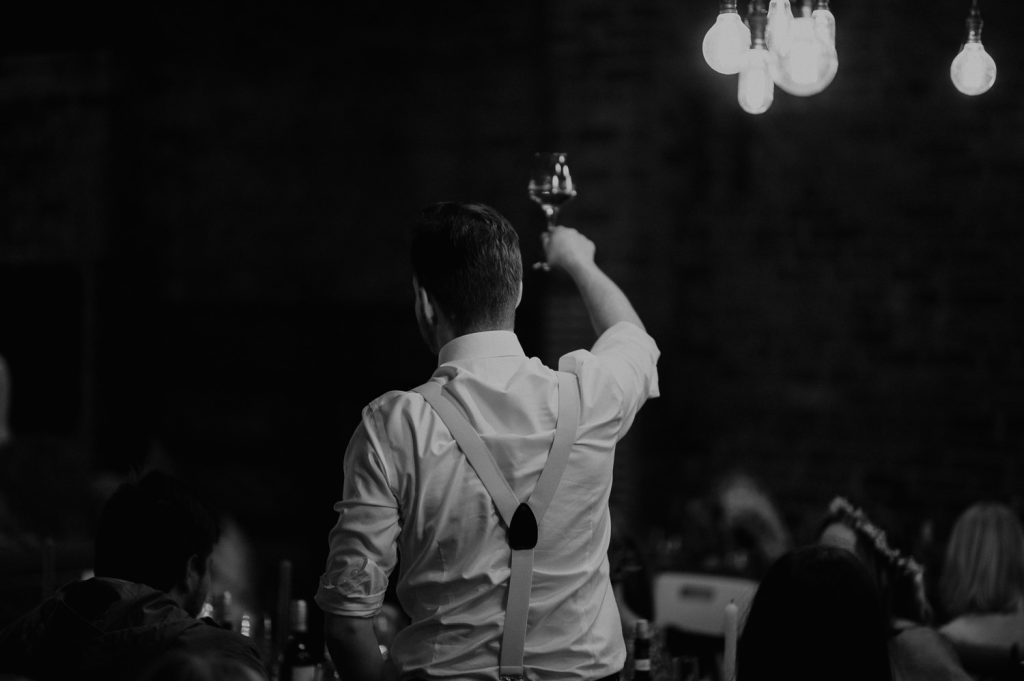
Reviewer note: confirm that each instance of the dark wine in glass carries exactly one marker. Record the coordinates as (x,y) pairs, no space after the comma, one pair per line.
(551,186)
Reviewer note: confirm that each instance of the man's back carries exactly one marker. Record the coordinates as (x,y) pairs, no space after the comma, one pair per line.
(403,462)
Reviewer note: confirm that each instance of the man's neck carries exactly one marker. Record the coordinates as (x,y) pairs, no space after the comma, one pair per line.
(446,335)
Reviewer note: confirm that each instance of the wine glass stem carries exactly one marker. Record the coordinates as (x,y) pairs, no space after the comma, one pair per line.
(552,219)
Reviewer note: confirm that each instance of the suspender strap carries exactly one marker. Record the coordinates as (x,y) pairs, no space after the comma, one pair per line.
(512,512)
(517,610)
(476,451)
(565,436)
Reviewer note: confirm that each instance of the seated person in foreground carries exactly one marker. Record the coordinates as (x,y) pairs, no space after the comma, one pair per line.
(816,615)
(153,551)
(917,650)
(983,590)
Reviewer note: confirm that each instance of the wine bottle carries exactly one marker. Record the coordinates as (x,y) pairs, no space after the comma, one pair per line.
(642,651)
(298,659)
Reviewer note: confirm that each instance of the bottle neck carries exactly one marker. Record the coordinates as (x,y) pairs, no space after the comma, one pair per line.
(298,616)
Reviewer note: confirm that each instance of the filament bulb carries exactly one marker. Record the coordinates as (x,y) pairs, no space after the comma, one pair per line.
(973,70)
(777,31)
(756,85)
(810,64)
(726,42)
(825,25)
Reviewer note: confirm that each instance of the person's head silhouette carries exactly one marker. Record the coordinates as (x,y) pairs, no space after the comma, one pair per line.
(155,531)
(817,614)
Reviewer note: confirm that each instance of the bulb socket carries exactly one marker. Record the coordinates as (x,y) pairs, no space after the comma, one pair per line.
(974,25)
(727,6)
(757,18)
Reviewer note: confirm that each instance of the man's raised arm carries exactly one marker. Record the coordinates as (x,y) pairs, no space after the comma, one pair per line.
(567,249)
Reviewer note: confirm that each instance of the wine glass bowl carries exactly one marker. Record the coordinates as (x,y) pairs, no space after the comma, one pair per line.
(551,184)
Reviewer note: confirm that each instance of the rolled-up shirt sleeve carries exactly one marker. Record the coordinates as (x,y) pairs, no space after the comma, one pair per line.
(362,544)
(623,359)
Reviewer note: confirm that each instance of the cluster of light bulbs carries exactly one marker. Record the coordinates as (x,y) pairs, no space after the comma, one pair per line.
(774,48)
(798,53)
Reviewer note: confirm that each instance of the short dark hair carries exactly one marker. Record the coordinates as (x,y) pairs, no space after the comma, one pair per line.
(148,530)
(466,255)
(816,614)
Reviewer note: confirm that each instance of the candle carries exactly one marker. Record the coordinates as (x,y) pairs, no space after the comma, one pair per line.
(731,634)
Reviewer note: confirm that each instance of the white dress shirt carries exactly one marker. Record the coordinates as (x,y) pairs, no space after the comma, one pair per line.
(410,491)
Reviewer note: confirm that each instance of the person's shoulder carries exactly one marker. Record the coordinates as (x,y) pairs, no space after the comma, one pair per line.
(205,636)
(393,414)
(997,628)
(628,334)
(954,627)
(623,350)
(921,651)
(392,403)
(392,399)
(919,635)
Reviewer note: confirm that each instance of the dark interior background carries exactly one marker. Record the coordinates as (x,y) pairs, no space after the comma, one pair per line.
(203,246)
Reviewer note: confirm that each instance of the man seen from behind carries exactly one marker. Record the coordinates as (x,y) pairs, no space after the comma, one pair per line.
(410,490)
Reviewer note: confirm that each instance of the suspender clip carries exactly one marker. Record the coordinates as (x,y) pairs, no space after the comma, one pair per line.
(522,531)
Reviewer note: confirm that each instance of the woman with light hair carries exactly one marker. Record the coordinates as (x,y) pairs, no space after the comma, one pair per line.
(983,586)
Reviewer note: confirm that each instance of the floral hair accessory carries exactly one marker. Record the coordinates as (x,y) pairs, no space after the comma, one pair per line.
(858,521)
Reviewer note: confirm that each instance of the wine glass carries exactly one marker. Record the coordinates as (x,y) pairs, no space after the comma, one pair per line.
(551,186)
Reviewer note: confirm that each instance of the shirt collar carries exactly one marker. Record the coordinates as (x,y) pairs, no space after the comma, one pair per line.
(480,345)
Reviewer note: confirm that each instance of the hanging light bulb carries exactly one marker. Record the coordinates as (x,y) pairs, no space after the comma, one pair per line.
(825,27)
(777,31)
(756,87)
(973,70)
(811,62)
(824,22)
(727,41)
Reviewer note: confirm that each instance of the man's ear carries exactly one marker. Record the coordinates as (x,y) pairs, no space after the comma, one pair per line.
(519,299)
(194,571)
(426,304)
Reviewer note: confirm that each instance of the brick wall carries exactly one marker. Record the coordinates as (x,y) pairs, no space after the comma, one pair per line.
(834,285)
